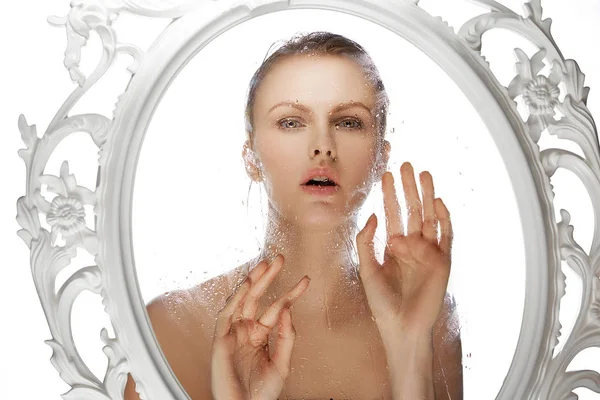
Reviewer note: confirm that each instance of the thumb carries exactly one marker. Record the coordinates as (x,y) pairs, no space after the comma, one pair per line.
(366,250)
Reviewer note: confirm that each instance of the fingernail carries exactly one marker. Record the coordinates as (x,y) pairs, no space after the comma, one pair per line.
(370,218)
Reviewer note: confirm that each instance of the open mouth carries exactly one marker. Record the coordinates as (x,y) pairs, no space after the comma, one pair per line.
(321,182)
(320,185)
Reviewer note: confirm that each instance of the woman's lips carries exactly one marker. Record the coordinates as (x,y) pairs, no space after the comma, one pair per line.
(327,172)
(320,190)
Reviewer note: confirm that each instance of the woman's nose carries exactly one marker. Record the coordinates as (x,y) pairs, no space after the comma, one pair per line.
(329,153)
(323,146)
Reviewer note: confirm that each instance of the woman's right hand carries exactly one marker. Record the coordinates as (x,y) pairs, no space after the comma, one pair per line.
(241,368)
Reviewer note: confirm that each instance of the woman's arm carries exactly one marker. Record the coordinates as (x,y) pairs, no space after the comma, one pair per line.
(406,293)
(427,365)
(410,362)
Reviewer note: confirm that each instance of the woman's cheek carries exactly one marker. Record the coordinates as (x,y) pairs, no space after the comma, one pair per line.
(363,167)
(280,180)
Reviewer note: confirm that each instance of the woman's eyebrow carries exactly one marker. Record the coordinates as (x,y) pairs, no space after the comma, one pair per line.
(298,106)
(344,106)
(339,107)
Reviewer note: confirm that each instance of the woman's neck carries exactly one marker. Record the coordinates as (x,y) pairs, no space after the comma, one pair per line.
(325,255)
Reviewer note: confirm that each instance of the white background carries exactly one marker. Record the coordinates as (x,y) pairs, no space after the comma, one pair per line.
(35,83)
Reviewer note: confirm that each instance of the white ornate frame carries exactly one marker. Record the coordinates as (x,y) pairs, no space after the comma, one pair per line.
(535,373)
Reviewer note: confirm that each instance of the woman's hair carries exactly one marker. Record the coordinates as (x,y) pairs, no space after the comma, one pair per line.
(322,43)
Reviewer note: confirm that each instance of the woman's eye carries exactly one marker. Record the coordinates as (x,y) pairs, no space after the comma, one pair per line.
(289,124)
(351,124)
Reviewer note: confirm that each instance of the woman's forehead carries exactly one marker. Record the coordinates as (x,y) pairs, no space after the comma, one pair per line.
(316,81)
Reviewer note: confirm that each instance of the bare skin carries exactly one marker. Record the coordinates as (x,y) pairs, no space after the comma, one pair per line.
(343,343)
(324,341)
(342,332)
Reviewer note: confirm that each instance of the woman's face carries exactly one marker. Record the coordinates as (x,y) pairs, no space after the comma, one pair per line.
(314,112)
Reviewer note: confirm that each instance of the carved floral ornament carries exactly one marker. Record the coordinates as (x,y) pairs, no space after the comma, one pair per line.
(537,372)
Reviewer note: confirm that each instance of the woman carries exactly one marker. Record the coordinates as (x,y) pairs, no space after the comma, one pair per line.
(316,120)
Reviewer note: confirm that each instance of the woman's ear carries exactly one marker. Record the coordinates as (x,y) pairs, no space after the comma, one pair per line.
(383,160)
(251,163)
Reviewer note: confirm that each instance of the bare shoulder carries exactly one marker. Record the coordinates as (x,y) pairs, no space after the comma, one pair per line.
(183,322)
(448,324)
(447,348)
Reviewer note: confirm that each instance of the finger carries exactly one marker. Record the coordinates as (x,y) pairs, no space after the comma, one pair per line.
(271,314)
(258,271)
(241,330)
(413,202)
(393,215)
(260,286)
(429,217)
(223,324)
(446,233)
(253,276)
(286,336)
(366,250)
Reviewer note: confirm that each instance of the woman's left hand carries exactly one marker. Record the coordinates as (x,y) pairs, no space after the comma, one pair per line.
(406,292)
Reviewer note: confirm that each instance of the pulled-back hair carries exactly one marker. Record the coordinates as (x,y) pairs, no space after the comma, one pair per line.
(322,43)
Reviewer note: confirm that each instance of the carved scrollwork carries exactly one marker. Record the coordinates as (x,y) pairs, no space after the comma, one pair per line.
(66,213)
(541,94)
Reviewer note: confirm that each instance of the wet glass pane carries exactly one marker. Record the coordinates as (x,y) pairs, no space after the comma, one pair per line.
(208,207)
